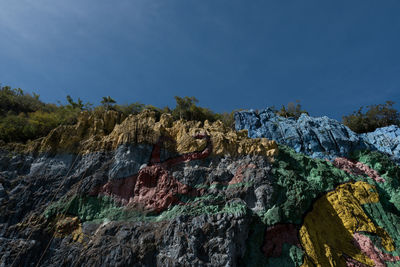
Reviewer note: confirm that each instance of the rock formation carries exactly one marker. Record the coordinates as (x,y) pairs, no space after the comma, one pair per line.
(319,137)
(142,191)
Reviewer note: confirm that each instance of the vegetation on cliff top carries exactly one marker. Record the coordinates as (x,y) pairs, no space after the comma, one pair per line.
(375,117)
(25,117)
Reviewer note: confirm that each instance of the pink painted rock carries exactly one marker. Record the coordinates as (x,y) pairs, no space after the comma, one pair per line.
(357,168)
(368,248)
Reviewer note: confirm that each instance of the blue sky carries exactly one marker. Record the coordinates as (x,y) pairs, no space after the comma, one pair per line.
(333,56)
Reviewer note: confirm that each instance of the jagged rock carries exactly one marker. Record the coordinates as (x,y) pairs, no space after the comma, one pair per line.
(3,194)
(340,212)
(357,168)
(77,178)
(142,192)
(110,131)
(206,240)
(386,139)
(319,137)
(180,136)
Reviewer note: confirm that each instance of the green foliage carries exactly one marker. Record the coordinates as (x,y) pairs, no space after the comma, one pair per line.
(15,101)
(108,102)
(183,107)
(375,117)
(292,110)
(127,109)
(24,117)
(78,105)
(30,126)
(187,109)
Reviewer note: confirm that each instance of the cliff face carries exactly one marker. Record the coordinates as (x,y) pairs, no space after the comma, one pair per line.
(318,137)
(140,192)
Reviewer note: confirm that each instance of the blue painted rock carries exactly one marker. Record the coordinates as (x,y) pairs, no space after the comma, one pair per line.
(319,137)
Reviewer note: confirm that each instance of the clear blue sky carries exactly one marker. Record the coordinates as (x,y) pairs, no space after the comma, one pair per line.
(333,56)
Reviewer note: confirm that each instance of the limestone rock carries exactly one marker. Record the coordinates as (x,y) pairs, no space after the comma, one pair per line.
(385,139)
(137,191)
(110,130)
(319,137)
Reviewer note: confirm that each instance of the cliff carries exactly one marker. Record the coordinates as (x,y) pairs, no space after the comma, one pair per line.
(139,191)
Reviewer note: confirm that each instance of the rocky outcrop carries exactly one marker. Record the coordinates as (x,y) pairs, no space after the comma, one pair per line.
(109,131)
(319,137)
(148,192)
(386,140)
(153,187)
(138,192)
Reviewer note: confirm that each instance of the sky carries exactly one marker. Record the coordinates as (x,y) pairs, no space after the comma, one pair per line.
(332,56)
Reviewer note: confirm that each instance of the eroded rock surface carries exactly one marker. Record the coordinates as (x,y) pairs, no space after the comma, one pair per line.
(319,137)
(386,140)
(139,193)
(148,192)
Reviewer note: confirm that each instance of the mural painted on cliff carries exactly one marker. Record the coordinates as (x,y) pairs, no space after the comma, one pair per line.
(352,225)
(152,193)
(348,235)
(358,198)
(333,232)
(325,138)
(153,188)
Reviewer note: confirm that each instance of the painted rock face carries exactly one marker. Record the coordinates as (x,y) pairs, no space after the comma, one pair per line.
(330,231)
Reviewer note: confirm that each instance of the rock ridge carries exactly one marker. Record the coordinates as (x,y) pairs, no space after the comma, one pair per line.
(319,137)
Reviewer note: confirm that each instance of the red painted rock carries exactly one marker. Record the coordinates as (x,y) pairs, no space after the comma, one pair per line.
(238,177)
(277,235)
(153,187)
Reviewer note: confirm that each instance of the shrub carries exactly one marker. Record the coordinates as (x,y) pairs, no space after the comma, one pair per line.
(292,110)
(16,101)
(376,116)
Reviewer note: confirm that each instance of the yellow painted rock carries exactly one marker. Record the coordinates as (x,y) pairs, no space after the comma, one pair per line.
(327,232)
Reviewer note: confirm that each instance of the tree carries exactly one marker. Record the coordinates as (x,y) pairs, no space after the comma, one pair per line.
(292,110)
(183,105)
(79,104)
(127,109)
(108,102)
(36,96)
(16,101)
(376,116)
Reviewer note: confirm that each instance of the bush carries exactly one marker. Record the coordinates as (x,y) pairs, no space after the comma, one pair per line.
(24,127)
(376,116)
(24,117)
(187,109)
(127,109)
(292,110)
(15,101)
